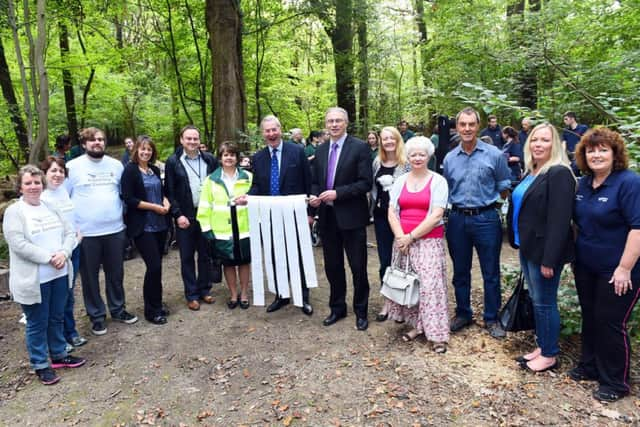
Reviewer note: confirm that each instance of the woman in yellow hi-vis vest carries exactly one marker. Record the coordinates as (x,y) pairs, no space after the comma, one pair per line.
(223,217)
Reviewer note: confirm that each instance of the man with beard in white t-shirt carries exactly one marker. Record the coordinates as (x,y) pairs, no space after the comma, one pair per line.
(94,188)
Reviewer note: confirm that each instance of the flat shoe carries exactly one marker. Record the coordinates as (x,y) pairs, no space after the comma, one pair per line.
(209,299)
(244,305)
(193,305)
(232,304)
(382,317)
(526,367)
(607,396)
(406,337)
(440,348)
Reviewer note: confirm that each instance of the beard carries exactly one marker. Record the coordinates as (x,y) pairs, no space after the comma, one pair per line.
(95,154)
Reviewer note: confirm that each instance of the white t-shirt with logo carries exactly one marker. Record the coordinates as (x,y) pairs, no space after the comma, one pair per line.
(94,189)
(44,228)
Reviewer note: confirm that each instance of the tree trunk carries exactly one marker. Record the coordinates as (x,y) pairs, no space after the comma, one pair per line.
(41,146)
(224,23)
(527,77)
(363,75)
(422,41)
(342,41)
(67,82)
(14,109)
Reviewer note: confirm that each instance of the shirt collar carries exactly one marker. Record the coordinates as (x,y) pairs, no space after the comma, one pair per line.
(279,148)
(480,146)
(184,156)
(340,141)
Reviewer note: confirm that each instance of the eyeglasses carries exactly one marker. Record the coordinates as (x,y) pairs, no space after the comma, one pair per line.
(332,121)
(97,139)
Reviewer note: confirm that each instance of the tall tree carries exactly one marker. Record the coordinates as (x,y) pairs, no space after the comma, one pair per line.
(224,23)
(527,76)
(361,17)
(12,103)
(67,82)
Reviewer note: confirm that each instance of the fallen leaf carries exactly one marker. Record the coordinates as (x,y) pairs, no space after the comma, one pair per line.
(246,373)
(287,421)
(283,408)
(609,413)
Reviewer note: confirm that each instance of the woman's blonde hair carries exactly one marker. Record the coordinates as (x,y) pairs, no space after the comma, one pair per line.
(558,153)
(400,155)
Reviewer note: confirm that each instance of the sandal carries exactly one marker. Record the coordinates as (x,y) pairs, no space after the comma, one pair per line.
(244,305)
(232,304)
(407,336)
(440,347)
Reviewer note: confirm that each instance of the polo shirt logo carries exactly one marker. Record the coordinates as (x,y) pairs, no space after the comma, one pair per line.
(603,199)
(579,197)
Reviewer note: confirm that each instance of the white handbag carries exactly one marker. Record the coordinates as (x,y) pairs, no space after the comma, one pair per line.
(401,286)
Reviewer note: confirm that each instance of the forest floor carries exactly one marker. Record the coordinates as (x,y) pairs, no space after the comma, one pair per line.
(246,367)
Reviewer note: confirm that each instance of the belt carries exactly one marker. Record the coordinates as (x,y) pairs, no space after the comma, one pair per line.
(472,211)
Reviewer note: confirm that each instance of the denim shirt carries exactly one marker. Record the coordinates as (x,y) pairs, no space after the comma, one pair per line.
(476,180)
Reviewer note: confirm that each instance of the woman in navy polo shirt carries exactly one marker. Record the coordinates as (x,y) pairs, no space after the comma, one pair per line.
(607,272)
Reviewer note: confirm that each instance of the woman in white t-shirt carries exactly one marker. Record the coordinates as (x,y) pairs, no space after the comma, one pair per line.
(40,243)
(56,195)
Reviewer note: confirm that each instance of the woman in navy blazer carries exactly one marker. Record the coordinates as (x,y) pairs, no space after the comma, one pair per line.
(147,221)
(539,220)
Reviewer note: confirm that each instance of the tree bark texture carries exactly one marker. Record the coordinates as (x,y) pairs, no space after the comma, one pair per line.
(342,41)
(363,70)
(224,23)
(67,83)
(41,146)
(14,108)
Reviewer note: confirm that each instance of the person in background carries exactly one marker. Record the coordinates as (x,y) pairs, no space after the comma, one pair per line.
(94,189)
(512,150)
(539,224)
(326,136)
(63,143)
(315,136)
(223,217)
(245,163)
(607,271)
(526,125)
(40,241)
(373,139)
(128,150)
(435,140)
(390,164)
(56,195)
(477,175)
(147,222)
(416,208)
(493,131)
(185,171)
(296,136)
(571,136)
(406,133)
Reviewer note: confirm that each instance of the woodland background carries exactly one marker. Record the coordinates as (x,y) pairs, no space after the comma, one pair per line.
(151,66)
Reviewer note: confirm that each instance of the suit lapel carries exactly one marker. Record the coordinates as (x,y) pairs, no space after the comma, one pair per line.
(540,180)
(283,164)
(344,153)
(323,161)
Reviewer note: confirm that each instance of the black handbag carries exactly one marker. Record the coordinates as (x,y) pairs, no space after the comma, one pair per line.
(517,314)
(215,270)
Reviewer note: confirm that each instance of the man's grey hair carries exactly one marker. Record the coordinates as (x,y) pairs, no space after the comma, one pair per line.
(466,111)
(270,118)
(338,110)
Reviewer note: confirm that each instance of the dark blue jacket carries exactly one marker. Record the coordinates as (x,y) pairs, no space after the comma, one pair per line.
(495,135)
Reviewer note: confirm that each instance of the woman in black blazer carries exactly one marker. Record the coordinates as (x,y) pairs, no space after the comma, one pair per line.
(147,221)
(539,220)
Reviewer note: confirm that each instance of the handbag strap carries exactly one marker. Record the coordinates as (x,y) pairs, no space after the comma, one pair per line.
(395,261)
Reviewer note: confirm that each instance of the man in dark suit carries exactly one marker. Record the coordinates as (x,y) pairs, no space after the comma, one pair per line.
(185,171)
(341,177)
(281,169)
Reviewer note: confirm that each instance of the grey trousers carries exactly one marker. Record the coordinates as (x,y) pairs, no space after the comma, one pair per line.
(106,251)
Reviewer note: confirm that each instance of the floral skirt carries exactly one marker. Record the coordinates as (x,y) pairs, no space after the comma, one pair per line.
(427,258)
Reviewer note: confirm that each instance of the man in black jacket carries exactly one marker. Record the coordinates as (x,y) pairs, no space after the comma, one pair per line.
(341,178)
(185,171)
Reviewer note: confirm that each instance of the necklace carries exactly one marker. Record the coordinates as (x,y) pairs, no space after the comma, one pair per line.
(417,183)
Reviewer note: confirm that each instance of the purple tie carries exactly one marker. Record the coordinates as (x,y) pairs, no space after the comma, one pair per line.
(331,169)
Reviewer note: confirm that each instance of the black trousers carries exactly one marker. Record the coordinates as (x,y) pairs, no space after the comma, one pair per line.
(151,247)
(606,352)
(335,243)
(190,241)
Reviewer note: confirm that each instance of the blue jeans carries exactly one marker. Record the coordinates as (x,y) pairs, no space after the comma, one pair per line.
(384,239)
(484,232)
(70,331)
(45,323)
(544,294)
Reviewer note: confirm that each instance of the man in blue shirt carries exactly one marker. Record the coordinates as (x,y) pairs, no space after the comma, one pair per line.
(477,174)
(493,131)
(573,132)
(524,131)
(403,128)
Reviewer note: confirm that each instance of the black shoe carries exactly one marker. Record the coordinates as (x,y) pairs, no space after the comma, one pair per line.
(47,376)
(244,305)
(277,304)
(607,396)
(382,317)
(233,303)
(157,320)
(125,317)
(307,308)
(165,310)
(580,374)
(333,318)
(495,330)
(362,324)
(458,323)
(549,368)
(98,328)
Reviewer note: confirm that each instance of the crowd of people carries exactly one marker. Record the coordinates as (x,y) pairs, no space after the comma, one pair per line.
(60,226)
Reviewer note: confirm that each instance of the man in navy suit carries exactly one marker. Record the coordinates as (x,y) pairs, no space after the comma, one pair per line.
(342,176)
(281,169)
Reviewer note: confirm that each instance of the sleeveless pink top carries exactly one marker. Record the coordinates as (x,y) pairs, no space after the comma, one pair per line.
(414,208)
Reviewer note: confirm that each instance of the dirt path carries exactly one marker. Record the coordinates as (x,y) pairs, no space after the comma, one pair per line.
(221,367)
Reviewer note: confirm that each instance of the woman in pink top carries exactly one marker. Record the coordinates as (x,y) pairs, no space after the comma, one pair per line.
(416,207)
